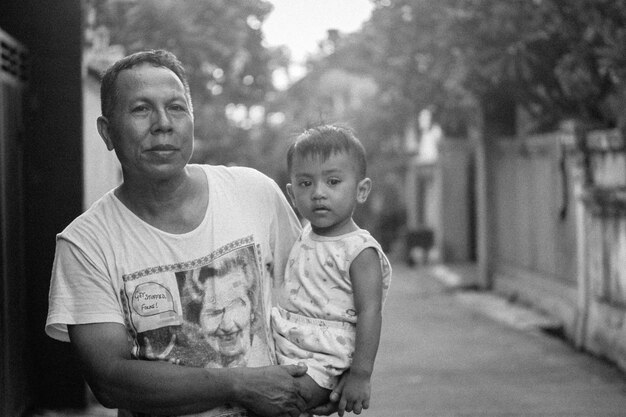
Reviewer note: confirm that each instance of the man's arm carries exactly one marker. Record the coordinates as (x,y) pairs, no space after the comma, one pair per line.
(159,387)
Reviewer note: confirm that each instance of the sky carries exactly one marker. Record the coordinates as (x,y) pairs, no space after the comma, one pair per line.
(301,24)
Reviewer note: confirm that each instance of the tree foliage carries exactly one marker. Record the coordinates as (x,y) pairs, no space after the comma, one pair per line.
(220,44)
(557,59)
(554,58)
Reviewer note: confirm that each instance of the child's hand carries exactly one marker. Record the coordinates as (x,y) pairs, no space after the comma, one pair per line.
(356,394)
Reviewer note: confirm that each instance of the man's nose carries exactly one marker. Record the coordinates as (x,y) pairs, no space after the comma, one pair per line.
(162,121)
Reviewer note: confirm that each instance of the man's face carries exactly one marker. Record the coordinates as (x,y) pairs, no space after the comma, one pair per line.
(151,128)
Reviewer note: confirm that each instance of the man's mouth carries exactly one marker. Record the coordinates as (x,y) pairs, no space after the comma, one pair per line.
(162,151)
(163,148)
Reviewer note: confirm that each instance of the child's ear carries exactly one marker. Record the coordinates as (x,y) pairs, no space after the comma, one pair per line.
(363,190)
(290,194)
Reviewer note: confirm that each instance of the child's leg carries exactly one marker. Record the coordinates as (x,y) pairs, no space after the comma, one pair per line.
(318,395)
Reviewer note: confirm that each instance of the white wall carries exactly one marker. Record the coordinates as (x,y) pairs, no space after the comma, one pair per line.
(101,169)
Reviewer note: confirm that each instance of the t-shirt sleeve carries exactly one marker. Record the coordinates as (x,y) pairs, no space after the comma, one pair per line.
(284,230)
(80,292)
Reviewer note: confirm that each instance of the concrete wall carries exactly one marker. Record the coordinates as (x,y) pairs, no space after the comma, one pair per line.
(102,170)
(439,192)
(457,232)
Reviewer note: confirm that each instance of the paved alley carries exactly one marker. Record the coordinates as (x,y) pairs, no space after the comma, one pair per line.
(441,355)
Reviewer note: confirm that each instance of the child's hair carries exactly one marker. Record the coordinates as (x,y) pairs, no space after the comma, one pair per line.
(326,140)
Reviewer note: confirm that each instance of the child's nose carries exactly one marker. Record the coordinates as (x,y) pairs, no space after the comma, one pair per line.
(318,191)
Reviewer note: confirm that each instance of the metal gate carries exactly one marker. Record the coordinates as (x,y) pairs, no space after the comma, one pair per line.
(13,81)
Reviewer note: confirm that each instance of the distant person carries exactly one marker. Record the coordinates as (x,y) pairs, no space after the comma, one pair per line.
(390,208)
(164,284)
(430,137)
(330,304)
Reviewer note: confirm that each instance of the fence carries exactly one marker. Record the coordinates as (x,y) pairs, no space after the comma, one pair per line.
(13,298)
(602,295)
(557,231)
(532,223)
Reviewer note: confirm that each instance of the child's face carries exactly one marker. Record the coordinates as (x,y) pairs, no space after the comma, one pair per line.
(326,192)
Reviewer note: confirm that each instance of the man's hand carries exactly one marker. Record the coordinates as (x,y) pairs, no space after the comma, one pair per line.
(333,405)
(272,390)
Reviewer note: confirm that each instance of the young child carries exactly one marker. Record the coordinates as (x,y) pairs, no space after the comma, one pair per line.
(337,276)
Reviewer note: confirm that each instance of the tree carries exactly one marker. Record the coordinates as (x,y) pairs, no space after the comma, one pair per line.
(555,59)
(220,44)
(546,54)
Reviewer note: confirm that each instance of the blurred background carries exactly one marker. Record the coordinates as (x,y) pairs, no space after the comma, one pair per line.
(494,133)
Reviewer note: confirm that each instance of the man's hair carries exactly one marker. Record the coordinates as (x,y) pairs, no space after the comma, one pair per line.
(158,58)
(326,140)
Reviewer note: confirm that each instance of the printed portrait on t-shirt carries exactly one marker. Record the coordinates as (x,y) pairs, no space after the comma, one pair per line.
(204,313)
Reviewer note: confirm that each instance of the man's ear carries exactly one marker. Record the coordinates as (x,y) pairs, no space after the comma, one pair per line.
(105,133)
(363,190)
(290,194)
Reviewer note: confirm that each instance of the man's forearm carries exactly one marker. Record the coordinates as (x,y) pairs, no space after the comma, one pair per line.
(165,389)
(162,388)
(159,387)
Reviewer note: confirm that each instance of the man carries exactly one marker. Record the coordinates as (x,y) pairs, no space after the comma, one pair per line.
(119,290)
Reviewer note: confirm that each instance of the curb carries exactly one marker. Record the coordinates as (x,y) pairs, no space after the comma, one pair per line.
(462,280)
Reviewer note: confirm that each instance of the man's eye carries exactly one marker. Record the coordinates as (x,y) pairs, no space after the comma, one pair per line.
(140,109)
(177,107)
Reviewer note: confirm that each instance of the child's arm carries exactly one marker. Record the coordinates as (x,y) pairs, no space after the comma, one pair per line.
(366,278)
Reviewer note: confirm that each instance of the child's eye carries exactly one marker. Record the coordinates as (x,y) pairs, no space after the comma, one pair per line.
(334,181)
(304,183)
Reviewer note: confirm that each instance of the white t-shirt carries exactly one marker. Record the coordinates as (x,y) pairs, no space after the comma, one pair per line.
(201,297)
